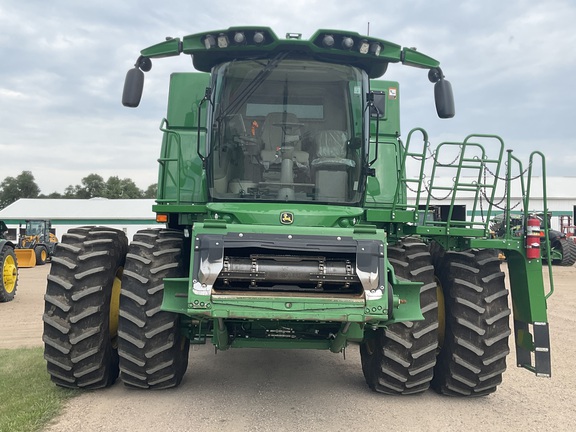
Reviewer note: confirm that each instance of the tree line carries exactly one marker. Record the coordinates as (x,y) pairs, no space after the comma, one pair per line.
(91,186)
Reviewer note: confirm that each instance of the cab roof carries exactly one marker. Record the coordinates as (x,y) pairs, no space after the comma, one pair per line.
(209,49)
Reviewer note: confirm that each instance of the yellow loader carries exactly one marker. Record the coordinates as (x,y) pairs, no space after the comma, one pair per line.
(36,244)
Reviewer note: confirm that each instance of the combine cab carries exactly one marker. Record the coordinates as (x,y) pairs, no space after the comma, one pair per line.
(283,191)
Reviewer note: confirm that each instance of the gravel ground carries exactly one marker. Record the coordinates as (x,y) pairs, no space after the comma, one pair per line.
(266,390)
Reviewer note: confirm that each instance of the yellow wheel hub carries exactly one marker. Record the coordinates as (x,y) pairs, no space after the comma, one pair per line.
(115,303)
(441,314)
(43,255)
(9,274)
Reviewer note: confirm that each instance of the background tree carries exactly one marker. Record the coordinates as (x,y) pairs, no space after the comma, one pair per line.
(152,191)
(113,188)
(117,188)
(94,186)
(72,191)
(130,190)
(14,188)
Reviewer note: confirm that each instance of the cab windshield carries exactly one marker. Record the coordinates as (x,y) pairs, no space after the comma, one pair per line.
(34,228)
(287,130)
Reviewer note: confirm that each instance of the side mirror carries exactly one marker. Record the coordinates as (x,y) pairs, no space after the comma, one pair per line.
(444,99)
(133,85)
(378,105)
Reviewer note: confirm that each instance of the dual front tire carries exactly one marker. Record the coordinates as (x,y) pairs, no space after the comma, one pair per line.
(460,347)
(102,310)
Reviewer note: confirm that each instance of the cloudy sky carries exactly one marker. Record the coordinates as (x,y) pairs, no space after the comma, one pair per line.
(62,66)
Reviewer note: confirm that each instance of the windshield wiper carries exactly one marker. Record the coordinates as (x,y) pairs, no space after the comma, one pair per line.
(252,86)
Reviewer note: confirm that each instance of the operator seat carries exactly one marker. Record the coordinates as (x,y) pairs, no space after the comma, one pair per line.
(282,129)
(331,166)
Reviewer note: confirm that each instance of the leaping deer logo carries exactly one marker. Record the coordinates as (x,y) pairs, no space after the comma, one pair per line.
(286,218)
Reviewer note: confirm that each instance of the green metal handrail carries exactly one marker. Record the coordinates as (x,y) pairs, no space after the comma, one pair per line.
(164,160)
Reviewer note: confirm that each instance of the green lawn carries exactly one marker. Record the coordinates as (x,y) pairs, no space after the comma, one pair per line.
(28,399)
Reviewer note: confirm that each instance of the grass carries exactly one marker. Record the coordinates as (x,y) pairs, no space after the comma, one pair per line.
(28,399)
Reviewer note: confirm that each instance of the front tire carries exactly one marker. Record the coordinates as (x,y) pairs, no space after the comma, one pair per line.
(400,359)
(473,354)
(153,352)
(79,340)
(41,255)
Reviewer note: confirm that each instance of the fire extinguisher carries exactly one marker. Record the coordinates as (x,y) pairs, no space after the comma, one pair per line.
(533,238)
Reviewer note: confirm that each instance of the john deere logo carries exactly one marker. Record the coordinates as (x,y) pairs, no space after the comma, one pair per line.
(286,218)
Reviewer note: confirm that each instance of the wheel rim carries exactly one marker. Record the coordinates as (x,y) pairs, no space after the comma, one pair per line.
(9,274)
(115,305)
(43,255)
(441,314)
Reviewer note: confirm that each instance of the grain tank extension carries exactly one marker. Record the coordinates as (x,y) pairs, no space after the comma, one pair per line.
(292,219)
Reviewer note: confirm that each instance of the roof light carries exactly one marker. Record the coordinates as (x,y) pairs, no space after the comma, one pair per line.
(222,41)
(347,43)
(328,41)
(258,37)
(239,38)
(375,48)
(209,41)
(364,46)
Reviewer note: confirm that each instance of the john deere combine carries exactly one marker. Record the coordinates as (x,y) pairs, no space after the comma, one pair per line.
(292,221)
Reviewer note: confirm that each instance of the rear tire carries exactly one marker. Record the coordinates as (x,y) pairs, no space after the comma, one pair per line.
(568,249)
(153,352)
(400,359)
(79,340)
(472,357)
(8,274)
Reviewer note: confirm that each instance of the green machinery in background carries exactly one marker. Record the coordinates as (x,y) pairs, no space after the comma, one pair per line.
(283,188)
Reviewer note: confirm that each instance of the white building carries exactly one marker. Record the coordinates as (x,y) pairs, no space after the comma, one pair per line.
(560,195)
(129,215)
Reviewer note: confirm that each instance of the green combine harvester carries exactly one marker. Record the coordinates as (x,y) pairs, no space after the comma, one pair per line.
(293,221)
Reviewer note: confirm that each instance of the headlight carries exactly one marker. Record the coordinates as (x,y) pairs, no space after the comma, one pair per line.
(364,47)
(209,41)
(258,37)
(375,48)
(328,41)
(347,43)
(239,38)
(222,41)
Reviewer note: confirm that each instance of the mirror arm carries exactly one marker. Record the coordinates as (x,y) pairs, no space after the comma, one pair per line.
(370,104)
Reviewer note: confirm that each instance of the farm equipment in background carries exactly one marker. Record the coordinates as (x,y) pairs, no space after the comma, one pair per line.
(567,227)
(8,266)
(555,246)
(36,243)
(283,187)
